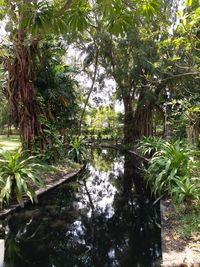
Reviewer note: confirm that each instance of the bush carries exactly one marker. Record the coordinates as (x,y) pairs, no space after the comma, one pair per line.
(16,177)
(150,145)
(77,150)
(168,172)
(53,151)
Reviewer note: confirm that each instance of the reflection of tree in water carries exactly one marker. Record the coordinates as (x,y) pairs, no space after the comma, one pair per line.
(134,216)
(78,228)
(103,159)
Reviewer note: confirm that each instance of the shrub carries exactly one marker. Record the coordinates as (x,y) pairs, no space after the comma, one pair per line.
(168,172)
(186,188)
(53,150)
(150,145)
(77,150)
(16,177)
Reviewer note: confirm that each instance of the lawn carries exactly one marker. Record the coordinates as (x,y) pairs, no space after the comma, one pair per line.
(9,143)
(46,170)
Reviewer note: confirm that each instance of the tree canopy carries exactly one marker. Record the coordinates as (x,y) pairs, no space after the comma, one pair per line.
(149,48)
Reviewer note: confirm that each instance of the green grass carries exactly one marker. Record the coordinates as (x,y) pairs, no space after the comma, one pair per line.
(189,225)
(9,143)
(13,142)
(195,166)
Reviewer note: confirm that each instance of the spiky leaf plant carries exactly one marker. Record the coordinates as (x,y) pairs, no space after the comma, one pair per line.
(17,177)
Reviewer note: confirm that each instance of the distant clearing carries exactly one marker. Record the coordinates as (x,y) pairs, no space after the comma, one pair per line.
(9,143)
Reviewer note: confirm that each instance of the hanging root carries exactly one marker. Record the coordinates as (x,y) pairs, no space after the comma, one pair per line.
(21,96)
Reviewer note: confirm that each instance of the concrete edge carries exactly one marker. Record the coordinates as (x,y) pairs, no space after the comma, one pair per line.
(62,179)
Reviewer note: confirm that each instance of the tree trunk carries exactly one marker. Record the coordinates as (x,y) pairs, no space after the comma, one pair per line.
(21,94)
(129,133)
(139,123)
(89,93)
(143,120)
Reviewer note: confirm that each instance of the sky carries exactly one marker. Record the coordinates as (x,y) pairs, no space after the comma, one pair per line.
(2,30)
(75,58)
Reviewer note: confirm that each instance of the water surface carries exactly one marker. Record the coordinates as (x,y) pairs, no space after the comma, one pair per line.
(102,218)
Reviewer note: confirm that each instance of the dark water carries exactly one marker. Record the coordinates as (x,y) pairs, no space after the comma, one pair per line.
(103,218)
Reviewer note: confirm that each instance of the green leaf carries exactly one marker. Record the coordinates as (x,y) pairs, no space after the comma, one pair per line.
(189,2)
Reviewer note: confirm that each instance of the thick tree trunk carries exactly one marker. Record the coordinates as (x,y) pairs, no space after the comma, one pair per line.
(21,94)
(129,133)
(139,123)
(143,121)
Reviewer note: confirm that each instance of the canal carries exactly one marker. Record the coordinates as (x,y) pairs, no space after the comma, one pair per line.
(102,218)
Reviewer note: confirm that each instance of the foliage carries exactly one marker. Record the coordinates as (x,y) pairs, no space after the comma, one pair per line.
(104,122)
(185,189)
(195,168)
(77,151)
(54,147)
(168,172)
(188,225)
(55,86)
(16,176)
(150,145)
(103,116)
(4,111)
(126,147)
(184,118)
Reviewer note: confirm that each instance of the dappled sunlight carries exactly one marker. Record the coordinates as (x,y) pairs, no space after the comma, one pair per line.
(9,143)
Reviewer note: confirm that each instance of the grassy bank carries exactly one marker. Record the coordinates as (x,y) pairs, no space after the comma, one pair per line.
(63,166)
(9,143)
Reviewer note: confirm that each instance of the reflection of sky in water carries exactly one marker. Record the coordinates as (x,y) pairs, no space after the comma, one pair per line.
(100,190)
(102,193)
(89,222)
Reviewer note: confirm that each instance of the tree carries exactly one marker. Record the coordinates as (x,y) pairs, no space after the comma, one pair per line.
(55,86)
(27,23)
(125,35)
(141,56)
(127,55)
(179,62)
(103,120)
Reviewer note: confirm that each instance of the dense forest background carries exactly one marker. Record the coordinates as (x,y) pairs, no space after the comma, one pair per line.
(117,71)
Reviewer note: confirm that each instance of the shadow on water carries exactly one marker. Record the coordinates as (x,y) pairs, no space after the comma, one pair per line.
(103,218)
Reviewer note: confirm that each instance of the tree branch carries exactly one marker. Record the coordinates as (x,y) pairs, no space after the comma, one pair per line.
(90,91)
(180,75)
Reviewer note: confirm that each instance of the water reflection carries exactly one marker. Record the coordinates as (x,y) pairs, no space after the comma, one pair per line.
(104,218)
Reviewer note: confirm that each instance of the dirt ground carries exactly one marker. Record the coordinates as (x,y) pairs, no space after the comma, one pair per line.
(177,252)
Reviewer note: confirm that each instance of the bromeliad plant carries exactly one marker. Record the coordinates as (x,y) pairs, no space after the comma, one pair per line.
(186,189)
(77,150)
(150,145)
(17,177)
(168,172)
